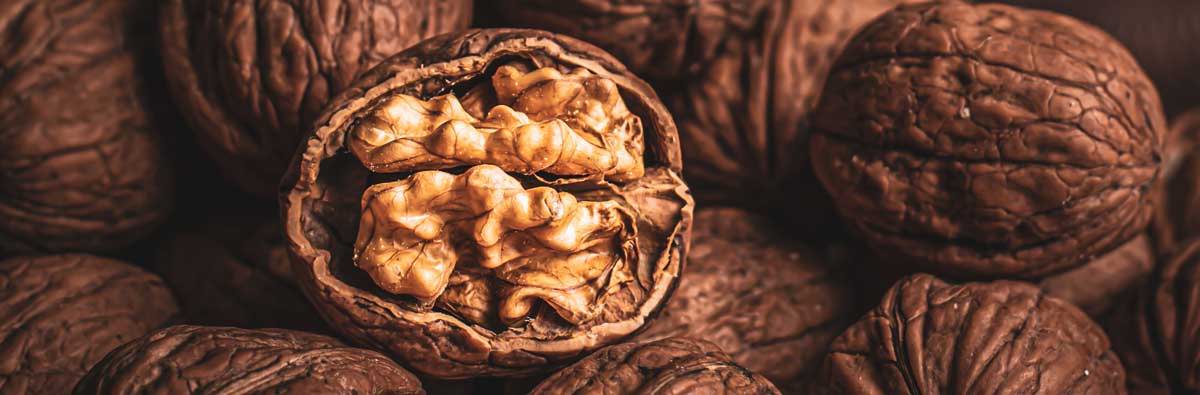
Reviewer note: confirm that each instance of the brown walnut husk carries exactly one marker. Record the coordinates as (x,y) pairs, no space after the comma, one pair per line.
(676,365)
(80,162)
(60,314)
(413,321)
(986,140)
(234,271)
(929,337)
(251,77)
(772,303)
(221,360)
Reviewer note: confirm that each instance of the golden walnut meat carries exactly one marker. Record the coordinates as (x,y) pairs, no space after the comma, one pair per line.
(252,76)
(987,140)
(60,314)
(219,360)
(930,337)
(768,301)
(80,162)
(669,366)
(490,203)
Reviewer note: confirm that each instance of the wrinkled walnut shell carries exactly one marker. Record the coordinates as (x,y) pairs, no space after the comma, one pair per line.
(768,301)
(669,366)
(60,314)
(327,185)
(1177,196)
(220,360)
(986,140)
(251,77)
(80,163)
(928,337)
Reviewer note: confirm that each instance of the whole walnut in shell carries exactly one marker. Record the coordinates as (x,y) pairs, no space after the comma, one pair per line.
(770,302)
(252,76)
(80,162)
(219,360)
(490,203)
(60,314)
(930,337)
(669,366)
(1177,196)
(987,140)
(1095,287)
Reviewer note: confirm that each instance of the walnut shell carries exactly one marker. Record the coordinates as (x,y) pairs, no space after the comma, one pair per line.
(234,271)
(927,336)
(220,360)
(986,140)
(770,302)
(1096,286)
(251,77)
(668,366)
(62,313)
(80,163)
(1177,196)
(329,188)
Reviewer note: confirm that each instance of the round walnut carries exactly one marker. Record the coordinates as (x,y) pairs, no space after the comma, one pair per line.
(1095,286)
(491,202)
(986,140)
(60,314)
(669,366)
(80,163)
(768,301)
(930,337)
(218,360)
(251,76)
(234,271)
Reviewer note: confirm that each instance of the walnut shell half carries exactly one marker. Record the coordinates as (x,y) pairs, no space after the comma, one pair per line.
(987,140)
(490,203)
(251,76)
(219,360)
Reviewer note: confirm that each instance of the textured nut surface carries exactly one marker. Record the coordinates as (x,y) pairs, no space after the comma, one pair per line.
(251,76)
(773,304)
(80,165)
(930,337)
(987,140)
(234,271)
(441,213)
(60,314)
(222,360)
(1177,196)
(669,366)
(1096,286)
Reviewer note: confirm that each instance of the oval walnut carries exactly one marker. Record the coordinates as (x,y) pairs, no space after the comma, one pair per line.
(988,141)
(218,360)
(490,203)
(251,77)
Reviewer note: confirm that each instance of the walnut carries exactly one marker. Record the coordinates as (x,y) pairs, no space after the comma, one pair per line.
(1177,196)
(251,77)
(771,303)
(986,140)
(1095,286)
(60,314)
(80,162)
(669,366)
(234,271)
(927,336)
(220,360)
(490,203)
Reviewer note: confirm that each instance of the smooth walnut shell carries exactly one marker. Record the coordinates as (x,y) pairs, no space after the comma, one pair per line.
(930,337)
(322,214)
(669,366)
(986,140)
(768,301)
(1096,286)
(251,77)
(1177,196)
(60,314)
(220,360)
(234,271)
(80,163)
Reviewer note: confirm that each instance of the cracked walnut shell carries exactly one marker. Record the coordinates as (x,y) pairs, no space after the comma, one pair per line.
(219,360)
(987,140)
(930,337)
(490,203)
(251,76)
